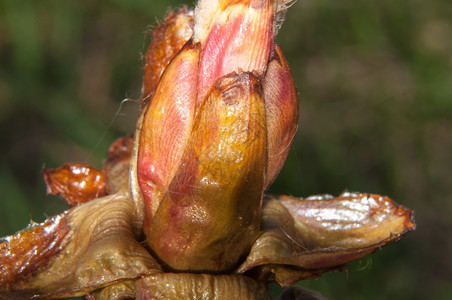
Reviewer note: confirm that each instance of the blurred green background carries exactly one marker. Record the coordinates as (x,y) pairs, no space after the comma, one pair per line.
(375,81)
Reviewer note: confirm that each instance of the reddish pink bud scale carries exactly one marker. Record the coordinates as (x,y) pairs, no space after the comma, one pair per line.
(166,126)
(281,104)
(241,40)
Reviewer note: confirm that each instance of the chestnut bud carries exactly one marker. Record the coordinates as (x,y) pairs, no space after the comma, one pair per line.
(214,136)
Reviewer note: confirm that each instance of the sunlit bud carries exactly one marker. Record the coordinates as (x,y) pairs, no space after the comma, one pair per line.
(215,135)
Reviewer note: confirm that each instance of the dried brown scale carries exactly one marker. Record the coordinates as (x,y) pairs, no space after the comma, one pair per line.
(75,182)
(116,167)
(290,239)
(27,251)
(99,249)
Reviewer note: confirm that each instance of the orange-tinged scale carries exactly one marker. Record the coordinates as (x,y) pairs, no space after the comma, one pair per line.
(116,167)
(225,3)
(281,108)
(121,149)
(76,182)
(210,215)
